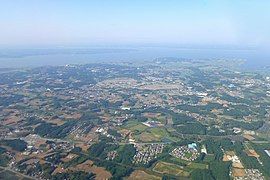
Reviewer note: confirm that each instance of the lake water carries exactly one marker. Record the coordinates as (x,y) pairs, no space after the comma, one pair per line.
(254,58)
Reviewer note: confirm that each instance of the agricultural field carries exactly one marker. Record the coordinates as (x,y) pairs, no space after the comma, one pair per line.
(142,175)
(194,165)
(135,127)
(155,134)
(209,158)
(155,120)
(171,169)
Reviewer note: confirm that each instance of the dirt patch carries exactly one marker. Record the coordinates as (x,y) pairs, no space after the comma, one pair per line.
(100,172)
(86,166)
(58,122)
(252,153)
(237,165)
(238,172)
(160,86)
(248,137)
(73,116)
(59,170)
(12,119)
(147,137)
(85,137)
(151,115)
(84,146)
(69,157)
(225,158)
(31,161)
(230,153)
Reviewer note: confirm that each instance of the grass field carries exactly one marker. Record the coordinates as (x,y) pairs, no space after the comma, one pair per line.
(188,165)
(159,132)
(209,158)
(155,134)
(177,161)
(248,146)
(141,175)
(135,127)
(169,168)
(188,154)
(161,119)
(194,165)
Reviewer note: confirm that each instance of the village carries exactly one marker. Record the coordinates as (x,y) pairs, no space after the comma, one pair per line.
(58,121)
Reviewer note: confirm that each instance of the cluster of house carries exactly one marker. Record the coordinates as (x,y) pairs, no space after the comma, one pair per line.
(111,155)
(251,174)
(188,153)
(104,131)
(146,152)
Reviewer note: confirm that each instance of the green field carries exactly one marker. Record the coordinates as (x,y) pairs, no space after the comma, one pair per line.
(209,158)
(248,146)
(159,132)
(135,127)
(168,168)
(154,134)
(188,154)
(194,165)
(186,164)
(177,161)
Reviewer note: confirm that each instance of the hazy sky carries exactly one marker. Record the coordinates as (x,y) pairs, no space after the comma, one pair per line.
(204,22)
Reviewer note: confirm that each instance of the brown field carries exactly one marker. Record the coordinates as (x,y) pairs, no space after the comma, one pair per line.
(41,161)
(48,94)
(11,119)
(101,173)
(160,86)
(105,117)
(252,153)
(230,153)
(225,158)
(84,146)
(237,165)
(44,155)
(19,157)
(35,102)
(125,132)
(58,122)
(69,157)
(87,166)
(141,175)
(85,138)
(73,116)
(39,142)
(118,82)
(59,170)
(151,115)
(147,137)
(248,137)
(238,172)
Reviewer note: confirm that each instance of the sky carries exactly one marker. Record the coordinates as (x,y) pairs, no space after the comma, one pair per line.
(244,23)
